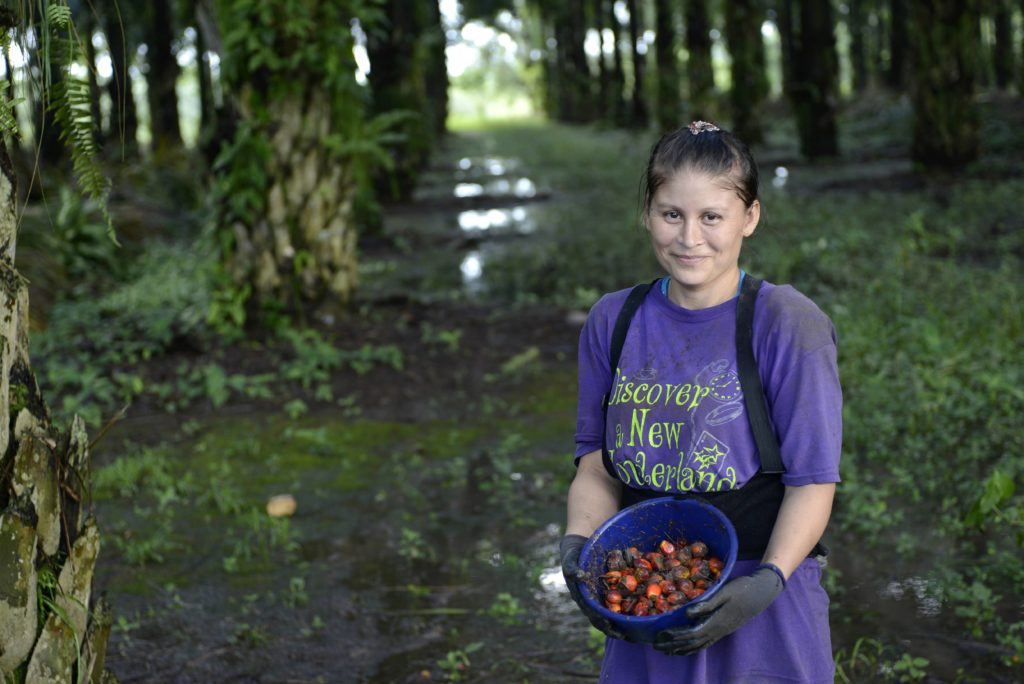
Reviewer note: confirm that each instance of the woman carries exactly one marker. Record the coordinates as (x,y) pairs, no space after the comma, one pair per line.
(676,423)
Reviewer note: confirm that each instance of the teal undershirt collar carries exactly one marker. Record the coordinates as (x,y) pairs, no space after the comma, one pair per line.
(666,279)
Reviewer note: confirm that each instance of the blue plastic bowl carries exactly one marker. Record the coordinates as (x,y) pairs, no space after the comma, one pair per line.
(644,525)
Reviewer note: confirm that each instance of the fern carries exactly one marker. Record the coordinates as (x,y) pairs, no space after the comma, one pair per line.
(70,102)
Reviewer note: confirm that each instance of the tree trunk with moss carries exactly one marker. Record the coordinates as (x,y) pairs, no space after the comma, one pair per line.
(813,90)
(667,107)
(699,72)
(743,19)
(52,627)
(285,185)
(943,51)
(638,102)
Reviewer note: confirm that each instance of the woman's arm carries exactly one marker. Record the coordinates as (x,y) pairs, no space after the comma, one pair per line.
(593,496)
(802,519)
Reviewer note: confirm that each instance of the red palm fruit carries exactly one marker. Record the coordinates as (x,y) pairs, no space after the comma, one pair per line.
(698,549)
(661,605)
(655,577)
(673,562)
(643,563)
(629,583)
(614,607)
(667,547)
(697,592)
(676,598)
(612,578)
(641,607)
(613,596)
(715,564)
(642,574)
(685,586)
(632,553)
(655,559)
(666,587)
(652,591)
(701,584)
(699,568)
(681,542)
(683,553)
(680,573)
(627,604)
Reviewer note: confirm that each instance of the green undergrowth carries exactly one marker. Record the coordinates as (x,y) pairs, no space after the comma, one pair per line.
(104,351)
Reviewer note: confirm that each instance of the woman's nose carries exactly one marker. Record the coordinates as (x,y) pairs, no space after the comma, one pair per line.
(690,233)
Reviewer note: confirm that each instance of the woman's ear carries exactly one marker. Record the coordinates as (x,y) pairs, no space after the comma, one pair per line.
(753,217)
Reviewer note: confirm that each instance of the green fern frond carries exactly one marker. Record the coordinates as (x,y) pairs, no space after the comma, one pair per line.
(70,101)
(8,120)
(59,16)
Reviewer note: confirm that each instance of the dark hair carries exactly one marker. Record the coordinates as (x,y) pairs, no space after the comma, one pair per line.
(716,152)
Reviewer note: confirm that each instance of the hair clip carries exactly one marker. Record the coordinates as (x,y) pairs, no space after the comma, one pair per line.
(698,127)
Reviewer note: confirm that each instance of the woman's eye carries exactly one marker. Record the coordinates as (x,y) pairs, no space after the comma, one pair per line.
(672,215)
(711,218)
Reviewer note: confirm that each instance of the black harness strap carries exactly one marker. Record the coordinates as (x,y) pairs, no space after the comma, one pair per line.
(626,313)
(750,380)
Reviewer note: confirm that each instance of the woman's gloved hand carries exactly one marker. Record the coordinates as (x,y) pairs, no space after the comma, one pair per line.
(569,550)
(735,603)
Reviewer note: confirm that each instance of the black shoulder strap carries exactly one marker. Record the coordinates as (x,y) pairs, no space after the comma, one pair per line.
(750,380)
(626,313)
(633,301)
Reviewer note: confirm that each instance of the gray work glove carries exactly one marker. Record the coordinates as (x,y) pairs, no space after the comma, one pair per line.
(569,550)
(736,602)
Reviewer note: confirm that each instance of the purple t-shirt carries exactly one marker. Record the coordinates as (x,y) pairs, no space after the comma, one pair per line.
(676,417)
(677,423)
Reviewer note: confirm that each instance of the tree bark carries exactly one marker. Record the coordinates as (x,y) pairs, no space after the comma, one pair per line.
(943,48)
(667,107)
(44,491)
(858,50)
(435,42)
(699,72)
(123,118)
(619,104)
(896,77)
(749,80)
(604,83)
(294,240)
(207,107)
(638,101)
(813,90)
(162,79)
(1002,55)
(397,82)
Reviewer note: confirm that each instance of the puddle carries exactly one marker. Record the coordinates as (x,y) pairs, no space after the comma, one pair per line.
(517,220)
(499,188)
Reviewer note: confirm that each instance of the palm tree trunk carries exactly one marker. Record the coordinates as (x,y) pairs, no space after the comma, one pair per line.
(638,110)
(699,72)
(943,46)
(749,80)
(813,90)
(162,79)
(123,118)
(667,108)
(1002,56)
(48,544)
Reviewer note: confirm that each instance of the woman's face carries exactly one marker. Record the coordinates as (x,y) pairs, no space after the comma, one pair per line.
(697,225)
